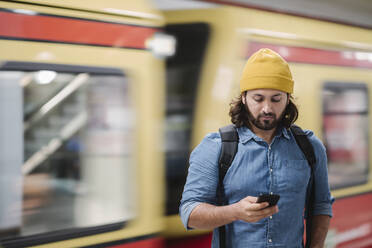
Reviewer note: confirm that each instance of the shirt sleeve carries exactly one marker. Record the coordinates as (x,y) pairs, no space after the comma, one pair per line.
(202,178)
(323,198)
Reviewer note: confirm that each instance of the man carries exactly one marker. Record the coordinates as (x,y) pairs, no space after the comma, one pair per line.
(268,161)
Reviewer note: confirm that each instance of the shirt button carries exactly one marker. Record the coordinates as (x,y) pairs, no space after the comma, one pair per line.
(271,217)
(271,193)
(270,241)
(271,170)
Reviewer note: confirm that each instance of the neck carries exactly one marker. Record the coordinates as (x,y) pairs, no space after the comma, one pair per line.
(266,135)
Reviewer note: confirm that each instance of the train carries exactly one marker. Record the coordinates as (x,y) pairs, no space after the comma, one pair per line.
(101,105)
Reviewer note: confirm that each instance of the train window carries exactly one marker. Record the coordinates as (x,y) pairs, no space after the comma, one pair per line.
(78,164)
(345,123)
(182,76)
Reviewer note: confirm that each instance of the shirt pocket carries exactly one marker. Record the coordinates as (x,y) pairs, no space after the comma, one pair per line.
(295,175)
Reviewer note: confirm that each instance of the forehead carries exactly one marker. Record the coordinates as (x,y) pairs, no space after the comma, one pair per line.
(265,92)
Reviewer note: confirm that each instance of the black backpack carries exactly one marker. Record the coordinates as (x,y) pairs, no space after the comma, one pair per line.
(230,140)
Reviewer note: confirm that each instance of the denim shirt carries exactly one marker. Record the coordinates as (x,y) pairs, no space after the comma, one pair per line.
(259,168)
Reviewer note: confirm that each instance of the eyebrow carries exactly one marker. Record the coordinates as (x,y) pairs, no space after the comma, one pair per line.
(277,95)
(260,95)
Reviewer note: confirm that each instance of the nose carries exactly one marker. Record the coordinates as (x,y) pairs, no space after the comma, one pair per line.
(267,108)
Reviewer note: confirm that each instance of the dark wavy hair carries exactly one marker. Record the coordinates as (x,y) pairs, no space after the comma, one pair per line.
(239,114)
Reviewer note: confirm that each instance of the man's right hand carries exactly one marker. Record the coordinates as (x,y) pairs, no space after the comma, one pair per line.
(207,216)
(249,210)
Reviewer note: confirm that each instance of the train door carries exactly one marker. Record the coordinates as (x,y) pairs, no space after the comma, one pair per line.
(196,97)
(183,76)
(183,72)
(81,147)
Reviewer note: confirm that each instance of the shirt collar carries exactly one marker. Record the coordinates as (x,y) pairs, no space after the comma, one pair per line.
(246,134)
(285,133)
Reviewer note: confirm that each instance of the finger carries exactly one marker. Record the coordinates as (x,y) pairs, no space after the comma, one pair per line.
(262,216)
(268,211)
(258,206)
(253,215)
(265,211)
(251,199)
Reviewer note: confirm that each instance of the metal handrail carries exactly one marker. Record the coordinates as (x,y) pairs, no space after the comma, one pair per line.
(70,88)
(46,151)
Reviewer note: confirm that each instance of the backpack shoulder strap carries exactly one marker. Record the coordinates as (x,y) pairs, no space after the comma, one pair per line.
(308,150)
(229,147)
(230,140)
(305,145)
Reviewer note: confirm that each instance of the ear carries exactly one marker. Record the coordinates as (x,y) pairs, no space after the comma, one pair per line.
(243,97)
(288,97)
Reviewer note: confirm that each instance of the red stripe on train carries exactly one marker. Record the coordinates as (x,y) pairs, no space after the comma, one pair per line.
(148,243)
(316,56)
(68,30)
(351,225)
(199,241)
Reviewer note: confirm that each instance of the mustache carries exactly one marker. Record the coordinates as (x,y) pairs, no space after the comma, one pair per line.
(266,115)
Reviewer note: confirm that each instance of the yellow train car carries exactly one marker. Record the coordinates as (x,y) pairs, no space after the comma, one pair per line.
(332,67)
(80,162)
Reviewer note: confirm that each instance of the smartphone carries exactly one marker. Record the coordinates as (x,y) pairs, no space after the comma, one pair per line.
(271,199)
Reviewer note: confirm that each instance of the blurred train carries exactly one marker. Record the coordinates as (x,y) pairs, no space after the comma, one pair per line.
(102,104)
(82,102)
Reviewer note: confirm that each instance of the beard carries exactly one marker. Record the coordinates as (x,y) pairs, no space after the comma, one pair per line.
(265,124)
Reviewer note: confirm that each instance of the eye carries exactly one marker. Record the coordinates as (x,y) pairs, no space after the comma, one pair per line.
(258,99)
(276,99)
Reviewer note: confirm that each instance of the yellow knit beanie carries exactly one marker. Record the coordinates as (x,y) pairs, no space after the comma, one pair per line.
(266,69)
